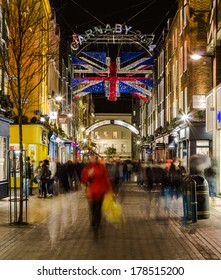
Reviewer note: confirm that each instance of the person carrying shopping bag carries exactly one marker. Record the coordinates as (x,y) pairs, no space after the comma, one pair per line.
(96,179)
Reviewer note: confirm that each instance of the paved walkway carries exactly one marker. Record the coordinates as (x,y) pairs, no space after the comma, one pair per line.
(58,228)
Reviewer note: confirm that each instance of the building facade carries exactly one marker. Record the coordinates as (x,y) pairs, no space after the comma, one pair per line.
(176,112)
(113,135)
(213,99)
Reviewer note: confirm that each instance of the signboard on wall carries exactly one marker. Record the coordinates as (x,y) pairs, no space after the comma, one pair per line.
(218,112)
(199,101)
(62,119)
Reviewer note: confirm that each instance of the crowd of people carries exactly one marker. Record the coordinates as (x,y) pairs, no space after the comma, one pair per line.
(53,177)
(161,176)
(100,177)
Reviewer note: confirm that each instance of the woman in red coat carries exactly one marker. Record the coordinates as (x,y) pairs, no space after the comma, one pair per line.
(95,176)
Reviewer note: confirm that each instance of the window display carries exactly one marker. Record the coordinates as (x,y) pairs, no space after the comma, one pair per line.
(3,159)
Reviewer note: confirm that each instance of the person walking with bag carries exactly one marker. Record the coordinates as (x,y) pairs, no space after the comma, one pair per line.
(96,179)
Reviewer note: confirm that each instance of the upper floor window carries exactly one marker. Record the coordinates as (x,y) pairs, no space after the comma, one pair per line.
(114,134)
(175,38)
(123,135)
(185,56)
(1,21)
(184,14)
(181,20)
(181,61)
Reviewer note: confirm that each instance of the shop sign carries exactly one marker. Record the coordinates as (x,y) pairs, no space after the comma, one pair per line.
(218,119)
(219,116)
(160,146)
(62,119)
(53,115)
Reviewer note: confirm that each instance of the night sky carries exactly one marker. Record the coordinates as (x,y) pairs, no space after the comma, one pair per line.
(150,17)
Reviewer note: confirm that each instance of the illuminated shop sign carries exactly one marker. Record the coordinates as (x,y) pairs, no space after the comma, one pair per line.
(219,116)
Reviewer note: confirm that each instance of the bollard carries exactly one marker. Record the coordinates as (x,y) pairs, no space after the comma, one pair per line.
(185,208)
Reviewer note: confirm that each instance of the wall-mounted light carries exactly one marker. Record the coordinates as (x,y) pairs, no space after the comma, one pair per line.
(58,98)
(198,55)
(42,119)
(195,56)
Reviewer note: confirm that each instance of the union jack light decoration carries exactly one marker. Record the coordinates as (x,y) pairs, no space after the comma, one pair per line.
(130,73)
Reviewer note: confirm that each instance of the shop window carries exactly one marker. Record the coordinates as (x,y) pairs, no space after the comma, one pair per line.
(202,147)
(202,143)
(3,159)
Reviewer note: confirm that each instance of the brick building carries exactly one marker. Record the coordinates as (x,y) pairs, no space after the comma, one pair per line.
(177,109)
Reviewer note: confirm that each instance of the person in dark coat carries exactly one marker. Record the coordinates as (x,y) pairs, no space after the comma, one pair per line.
(45,177)
(28,175)
(176,173)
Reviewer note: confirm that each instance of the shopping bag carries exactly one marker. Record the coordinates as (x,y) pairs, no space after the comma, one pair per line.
(112,209)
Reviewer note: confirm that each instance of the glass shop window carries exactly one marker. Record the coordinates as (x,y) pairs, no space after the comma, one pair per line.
(3,159)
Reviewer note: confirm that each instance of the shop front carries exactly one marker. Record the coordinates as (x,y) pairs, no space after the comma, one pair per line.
(60,150)
(190,140)
(213,125)
(4,147)
(35,144)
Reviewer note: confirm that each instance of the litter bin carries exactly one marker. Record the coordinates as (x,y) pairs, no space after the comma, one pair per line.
(198,187)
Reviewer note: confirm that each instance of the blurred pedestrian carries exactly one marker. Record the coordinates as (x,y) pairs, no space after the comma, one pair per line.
(176,173)
(45,177)
(69,168)
(57,185)
(198,163)
(37,174)
(28,175)
(210,175)
(97,181)
(125,172)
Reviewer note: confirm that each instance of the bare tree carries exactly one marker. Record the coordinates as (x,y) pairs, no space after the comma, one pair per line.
(25,61)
